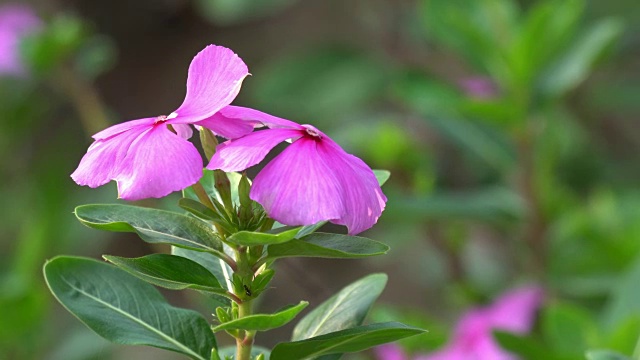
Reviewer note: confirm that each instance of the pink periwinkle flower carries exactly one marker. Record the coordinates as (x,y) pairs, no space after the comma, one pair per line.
(145,157)
(473,338)
(479,87)
(16,22)
(312,180)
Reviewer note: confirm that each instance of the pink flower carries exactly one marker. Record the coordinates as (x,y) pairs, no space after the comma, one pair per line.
(473,339)
(145,157)
(312,180)
(479,87)
(16,22)
(389,352)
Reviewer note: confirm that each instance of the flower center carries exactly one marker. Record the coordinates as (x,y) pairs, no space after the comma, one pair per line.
(312,131)
(163,118)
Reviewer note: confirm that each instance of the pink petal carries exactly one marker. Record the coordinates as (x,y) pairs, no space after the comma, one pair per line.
(515,310)
(16,22)
(215,78)
(229,128)
(102,161)
(158,162)
(297,187)
(122,127)
(389,352)
(258,117)
(242,153)
(363,197)
(183,130)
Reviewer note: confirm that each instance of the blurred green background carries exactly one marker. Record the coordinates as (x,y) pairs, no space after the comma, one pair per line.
(510,128)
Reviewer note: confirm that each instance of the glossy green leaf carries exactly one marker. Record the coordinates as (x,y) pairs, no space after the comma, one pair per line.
(248,238)
(325,245)
(605,355)
(344,310)
(350,340)
(108,300)
(153,226)
(169,271)
(264,322)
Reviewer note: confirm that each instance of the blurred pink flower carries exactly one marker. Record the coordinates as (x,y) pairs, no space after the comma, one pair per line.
(145,157)
(312,180)
(473,339)
(479,87)
(389,352)
(16,22)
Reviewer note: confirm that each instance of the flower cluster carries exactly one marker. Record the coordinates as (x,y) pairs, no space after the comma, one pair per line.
(313,180)
(473,337)
(16,22)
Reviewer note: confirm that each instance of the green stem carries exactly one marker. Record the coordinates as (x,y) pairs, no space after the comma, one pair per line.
(244,343)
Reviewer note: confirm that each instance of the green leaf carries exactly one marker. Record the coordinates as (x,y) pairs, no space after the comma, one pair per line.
(230,351)
(264,322)
(344,310)
(153,226)
(350,340)
(568,329)
(124,309)
(623,300)
(227,12)
(382,176)
(248,238)
(325,245)
(527,348)
(577,62)
(605,355)
(169,271)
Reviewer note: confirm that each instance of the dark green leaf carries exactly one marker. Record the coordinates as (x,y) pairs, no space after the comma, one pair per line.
(328,246)
(248,238)
(568,329)
(344,310)
(153,226)
(124,309)
(350,340)
(264,322)
(169,271)
(527,348)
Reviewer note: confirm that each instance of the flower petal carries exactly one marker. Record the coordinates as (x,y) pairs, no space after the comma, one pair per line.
(183,130)
(102,161)
(158,162)
(515,310)
(363,197)
(215,78)
(230,128)
(122,127)
(243,153)
(259,117)
(297,187)
(389,352)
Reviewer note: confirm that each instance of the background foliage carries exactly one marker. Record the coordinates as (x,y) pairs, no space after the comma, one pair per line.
(510,128)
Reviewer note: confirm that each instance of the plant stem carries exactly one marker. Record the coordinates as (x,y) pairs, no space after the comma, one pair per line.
(243,349)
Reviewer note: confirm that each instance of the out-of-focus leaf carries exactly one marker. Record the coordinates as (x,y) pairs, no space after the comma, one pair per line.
(497,205)
(527,348)
(96,56)
(605,355)
(106,299)
(568,329)
(344,310)
(227,12)
(230,351)
(623,300)
(576,64)
(325,83)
